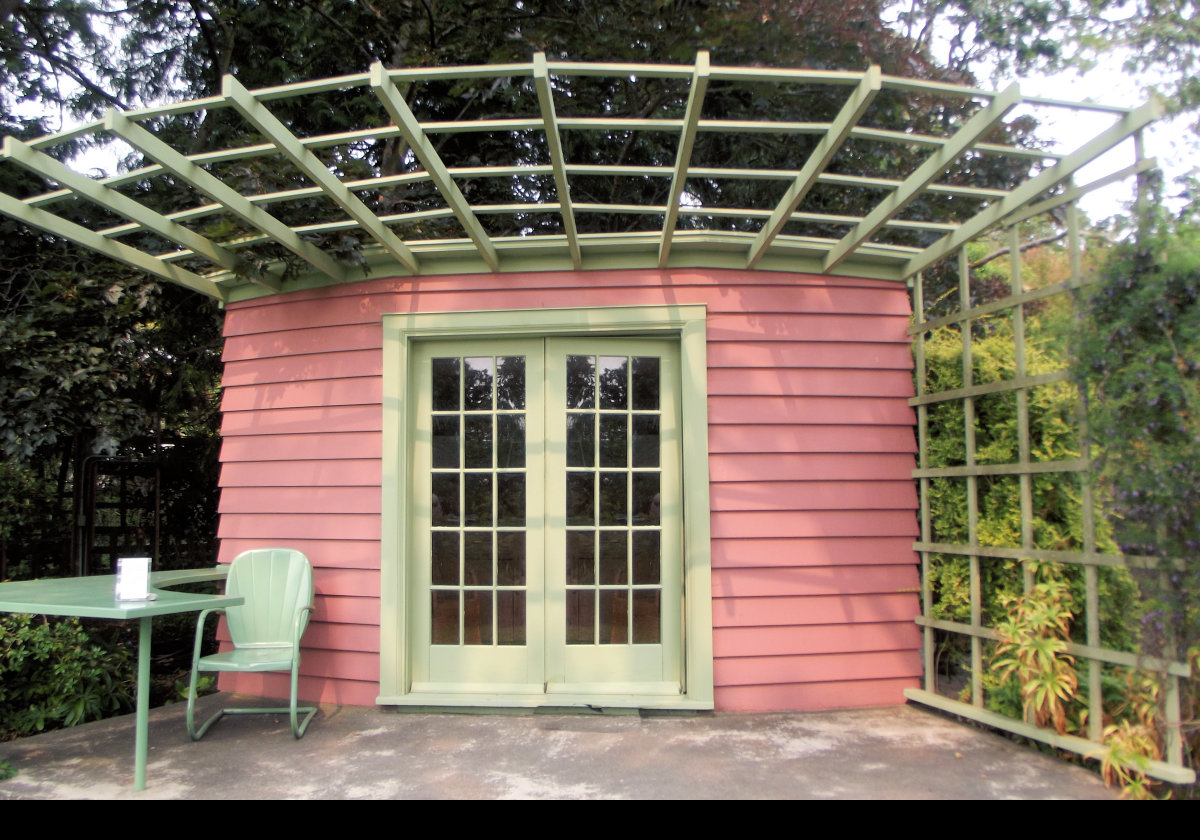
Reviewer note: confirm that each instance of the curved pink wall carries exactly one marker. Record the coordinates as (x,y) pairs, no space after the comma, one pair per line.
(811,450)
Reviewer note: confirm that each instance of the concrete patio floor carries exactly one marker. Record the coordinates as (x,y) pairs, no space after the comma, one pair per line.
(369,753)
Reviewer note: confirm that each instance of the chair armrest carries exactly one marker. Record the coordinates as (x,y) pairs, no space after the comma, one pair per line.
(200,633)
(297,631)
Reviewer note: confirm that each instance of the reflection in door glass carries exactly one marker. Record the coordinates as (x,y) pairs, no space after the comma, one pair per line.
(581,381)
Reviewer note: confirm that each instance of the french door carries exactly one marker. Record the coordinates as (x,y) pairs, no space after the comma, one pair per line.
(546,517)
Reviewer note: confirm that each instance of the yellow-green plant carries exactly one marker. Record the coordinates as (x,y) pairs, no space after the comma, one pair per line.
(1033,648)
(1133,739)
(1130,747)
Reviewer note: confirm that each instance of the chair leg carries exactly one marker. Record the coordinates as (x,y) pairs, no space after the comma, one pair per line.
(298,729)
(191,708)
(194,733)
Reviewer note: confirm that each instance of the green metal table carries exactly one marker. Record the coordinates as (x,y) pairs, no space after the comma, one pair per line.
(94,597)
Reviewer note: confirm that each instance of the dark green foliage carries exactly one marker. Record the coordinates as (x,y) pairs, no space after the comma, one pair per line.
(1139,356)
(53,674)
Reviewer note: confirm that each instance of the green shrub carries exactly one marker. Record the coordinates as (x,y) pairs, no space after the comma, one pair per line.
(1057,512)
(53,674)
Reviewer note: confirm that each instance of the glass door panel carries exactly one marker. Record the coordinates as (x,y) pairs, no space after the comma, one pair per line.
(613,458)
(477,468)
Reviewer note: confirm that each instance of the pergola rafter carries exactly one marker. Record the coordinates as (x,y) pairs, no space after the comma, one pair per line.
(807,177)
(261,118)
(979,125)
(558,160)
(229,198)
(801,230)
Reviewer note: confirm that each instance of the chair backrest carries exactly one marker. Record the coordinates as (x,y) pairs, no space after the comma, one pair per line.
(275,582)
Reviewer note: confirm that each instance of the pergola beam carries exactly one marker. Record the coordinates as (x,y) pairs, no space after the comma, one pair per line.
(261,118)
(829,146)
(58,226)
(44,165)
(935,165)
(545,94)
(1131,123)
(683,155)
(410,127)
(208,184)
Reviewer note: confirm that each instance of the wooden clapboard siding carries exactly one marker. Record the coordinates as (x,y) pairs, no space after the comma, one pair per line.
(314,446)
(333,365)
(328,473)
(801,610)
(796,552)
(802,466)
(810,696)
(813,495)
(811,448)
(834,639)
(809,382)
(846,355)
(758,670)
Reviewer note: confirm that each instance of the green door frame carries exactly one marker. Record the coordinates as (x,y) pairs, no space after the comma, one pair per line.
(686,323)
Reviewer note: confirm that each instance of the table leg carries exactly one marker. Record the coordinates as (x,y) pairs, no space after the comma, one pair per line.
(142,739)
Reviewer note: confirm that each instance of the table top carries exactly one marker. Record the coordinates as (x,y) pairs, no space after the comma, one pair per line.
(95,596)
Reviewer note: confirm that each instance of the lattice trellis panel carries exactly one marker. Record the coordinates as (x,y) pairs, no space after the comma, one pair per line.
(1089,555)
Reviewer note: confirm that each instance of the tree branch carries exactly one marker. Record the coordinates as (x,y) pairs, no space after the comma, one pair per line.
(1034,243)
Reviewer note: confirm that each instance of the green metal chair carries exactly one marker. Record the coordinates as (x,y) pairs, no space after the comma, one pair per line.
(277,584)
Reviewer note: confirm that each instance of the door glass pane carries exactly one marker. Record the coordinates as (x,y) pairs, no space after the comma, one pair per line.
(614,557)
(510,443)
(445,558)
(445,441)
(581,616)
(646,498)
(580,499)
(478,441)
(510,382)
(477,559)
(581,382)
(645,556)
(445,499)
(581,440)
(510,617)
(614,617)
(614,440)
(645,383)
(646,612)
(477,384)
(613,498)
(445,617)
(477,503)
(477,617)
(645,440)
(510,507)
(510,558)
(581,557)
(613,377)
(445,385)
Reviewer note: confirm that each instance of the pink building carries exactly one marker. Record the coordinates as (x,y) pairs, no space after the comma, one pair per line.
(809,449)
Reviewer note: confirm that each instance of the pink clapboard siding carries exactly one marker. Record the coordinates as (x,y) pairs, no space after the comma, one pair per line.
(811,450)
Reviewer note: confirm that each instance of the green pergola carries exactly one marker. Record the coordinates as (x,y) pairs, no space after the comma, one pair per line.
(214,242)
(690,234)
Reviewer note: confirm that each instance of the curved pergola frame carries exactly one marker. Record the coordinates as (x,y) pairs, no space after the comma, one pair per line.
(216,266)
